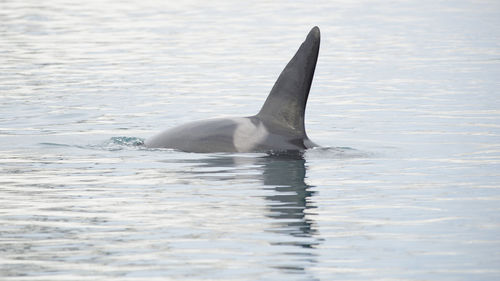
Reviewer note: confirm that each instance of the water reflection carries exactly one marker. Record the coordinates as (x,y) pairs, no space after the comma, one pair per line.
(291,196)
(289,200)
(285,174)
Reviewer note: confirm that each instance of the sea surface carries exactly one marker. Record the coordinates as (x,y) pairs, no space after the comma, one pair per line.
(405,102)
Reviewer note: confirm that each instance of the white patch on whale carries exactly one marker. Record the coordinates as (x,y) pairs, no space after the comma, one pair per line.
(248,135)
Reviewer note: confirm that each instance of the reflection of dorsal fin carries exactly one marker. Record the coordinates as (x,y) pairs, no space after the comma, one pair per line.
(286,104)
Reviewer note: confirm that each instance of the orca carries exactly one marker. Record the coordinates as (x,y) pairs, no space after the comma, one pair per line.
(279,125)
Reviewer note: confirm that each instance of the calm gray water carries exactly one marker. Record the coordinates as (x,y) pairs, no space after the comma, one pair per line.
(406,100)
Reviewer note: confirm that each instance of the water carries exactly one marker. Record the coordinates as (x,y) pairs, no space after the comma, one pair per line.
(405,101)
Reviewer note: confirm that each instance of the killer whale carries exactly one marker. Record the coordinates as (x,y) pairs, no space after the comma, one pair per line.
(278,126)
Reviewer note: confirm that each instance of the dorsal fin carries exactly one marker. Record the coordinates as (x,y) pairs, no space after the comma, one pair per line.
(286,104)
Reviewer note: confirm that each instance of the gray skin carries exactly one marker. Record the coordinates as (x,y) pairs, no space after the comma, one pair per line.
(279,125)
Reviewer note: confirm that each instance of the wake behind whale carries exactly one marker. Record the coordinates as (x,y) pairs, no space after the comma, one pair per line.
(279,125)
